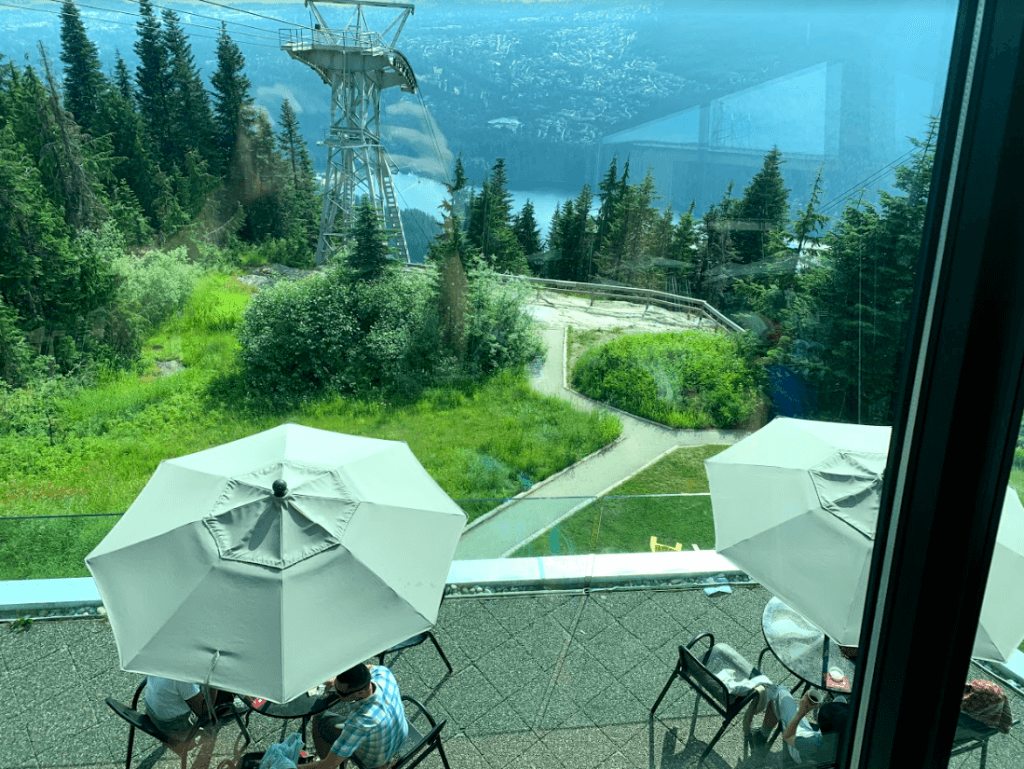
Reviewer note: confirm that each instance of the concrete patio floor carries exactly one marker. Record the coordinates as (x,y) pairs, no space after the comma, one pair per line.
(551,681)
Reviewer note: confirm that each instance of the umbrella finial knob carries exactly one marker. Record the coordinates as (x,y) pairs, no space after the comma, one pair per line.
(280,488)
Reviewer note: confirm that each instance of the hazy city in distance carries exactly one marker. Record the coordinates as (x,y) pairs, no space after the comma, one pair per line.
(695,92)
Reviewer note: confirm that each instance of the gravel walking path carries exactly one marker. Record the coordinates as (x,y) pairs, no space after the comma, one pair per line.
(498,533)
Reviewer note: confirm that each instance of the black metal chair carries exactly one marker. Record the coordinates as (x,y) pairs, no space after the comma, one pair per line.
(695,671)
(138,720)
(418,745)
(416,640)
(971,735)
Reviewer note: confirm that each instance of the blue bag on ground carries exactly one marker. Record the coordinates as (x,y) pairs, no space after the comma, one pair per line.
(283,755)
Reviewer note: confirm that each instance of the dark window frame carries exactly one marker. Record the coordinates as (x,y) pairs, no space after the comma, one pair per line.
(958,407)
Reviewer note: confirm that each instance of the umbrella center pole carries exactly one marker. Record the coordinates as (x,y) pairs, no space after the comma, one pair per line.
(206,685)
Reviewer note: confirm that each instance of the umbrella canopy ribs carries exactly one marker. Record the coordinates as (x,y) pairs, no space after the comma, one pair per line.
(796,506)
(267,565)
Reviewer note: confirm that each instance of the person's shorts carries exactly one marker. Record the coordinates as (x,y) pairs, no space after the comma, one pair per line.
(176,728)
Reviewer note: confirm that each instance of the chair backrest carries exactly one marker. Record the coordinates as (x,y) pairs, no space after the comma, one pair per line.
(140,721)
(703,680)
(417,745)
(421,748)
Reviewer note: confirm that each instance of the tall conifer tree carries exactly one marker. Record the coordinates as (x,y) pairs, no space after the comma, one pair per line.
(608,188)
(765,203)
(232,100)
(123,79)
(84,83)
(190,116)
(152,78)
(369,257)
(301,181)
(526,230)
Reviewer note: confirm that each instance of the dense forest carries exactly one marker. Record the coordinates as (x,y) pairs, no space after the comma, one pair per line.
(111,187)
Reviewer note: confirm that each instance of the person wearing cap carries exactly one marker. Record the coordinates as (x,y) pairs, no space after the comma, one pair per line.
(804,740)
(368,721)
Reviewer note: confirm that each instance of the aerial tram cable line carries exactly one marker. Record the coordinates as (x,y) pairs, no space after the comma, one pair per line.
(253,13)
(211,18)
(268,36)
(844,196)
(132,24)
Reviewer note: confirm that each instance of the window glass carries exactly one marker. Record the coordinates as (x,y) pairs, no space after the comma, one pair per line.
(732,197)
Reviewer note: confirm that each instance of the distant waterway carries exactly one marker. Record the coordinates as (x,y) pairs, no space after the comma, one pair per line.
(426,194)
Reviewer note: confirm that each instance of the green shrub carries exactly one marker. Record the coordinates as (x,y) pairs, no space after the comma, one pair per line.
(499,334)
(155,285)
(687,379)
(15,354)
(329,333)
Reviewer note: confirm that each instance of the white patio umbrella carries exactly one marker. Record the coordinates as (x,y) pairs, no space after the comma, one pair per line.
(270,564)
(796,505)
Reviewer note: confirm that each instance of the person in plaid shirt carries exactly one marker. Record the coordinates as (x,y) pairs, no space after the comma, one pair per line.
(368,722)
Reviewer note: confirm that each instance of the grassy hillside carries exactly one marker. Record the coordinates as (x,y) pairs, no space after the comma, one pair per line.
(66,451)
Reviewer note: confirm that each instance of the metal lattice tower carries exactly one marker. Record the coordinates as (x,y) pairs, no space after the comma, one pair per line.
(357,64)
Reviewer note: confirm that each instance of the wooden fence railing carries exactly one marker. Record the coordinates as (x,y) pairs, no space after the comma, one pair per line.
(644,296)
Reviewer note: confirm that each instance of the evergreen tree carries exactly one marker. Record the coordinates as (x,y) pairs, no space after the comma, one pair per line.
(526,230)
(266,199)
(608,195)
(152,78)
(864,303)
(716,251)
(72,170)
(490,224)
(810,220)
(301,181)
(459,190)
(579,250)
(136,164)
(233,102)
(123,79)
(191,120)
(765,204)
(420,230)
(683,248)
(50,285)
(194,188)
(561,241)
(479,209)
(631,224)
(84,83)
(370,250)
(552,239)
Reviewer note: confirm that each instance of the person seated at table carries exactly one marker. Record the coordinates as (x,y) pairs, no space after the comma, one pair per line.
(804,741)
(368,722)
(173,706)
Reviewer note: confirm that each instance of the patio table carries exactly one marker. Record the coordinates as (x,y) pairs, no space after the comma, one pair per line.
(304,706)
(803,649)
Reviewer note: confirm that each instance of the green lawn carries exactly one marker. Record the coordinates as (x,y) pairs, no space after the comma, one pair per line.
(91,451)
(616,525)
